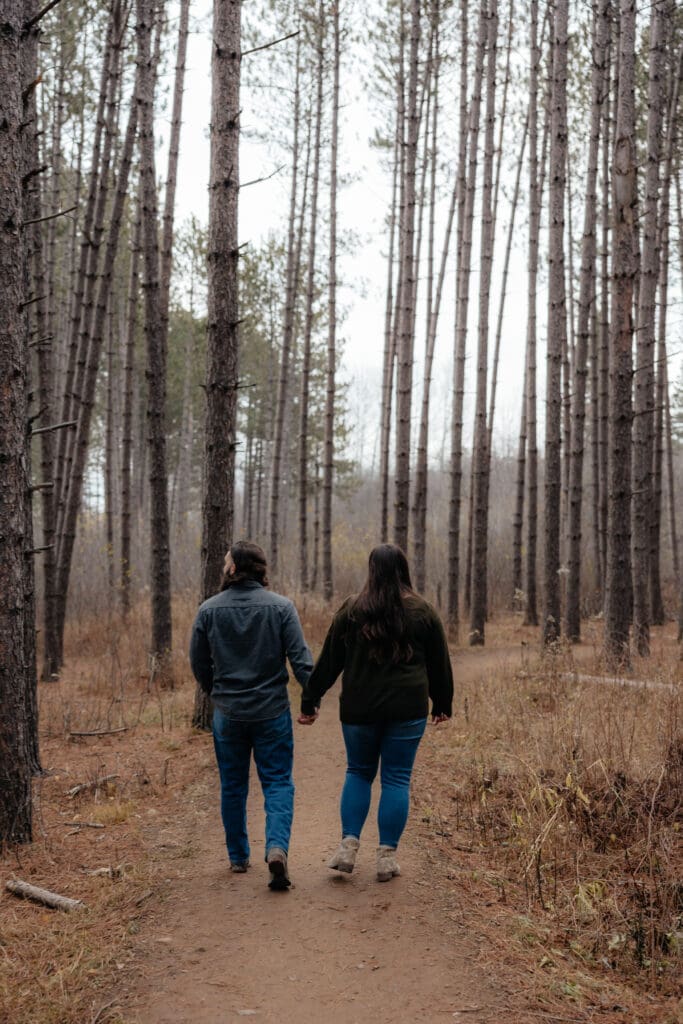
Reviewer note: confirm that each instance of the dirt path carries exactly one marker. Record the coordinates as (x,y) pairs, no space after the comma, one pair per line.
(334,949)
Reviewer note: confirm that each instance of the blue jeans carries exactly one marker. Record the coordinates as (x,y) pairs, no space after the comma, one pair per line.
(392,746)
(273,746)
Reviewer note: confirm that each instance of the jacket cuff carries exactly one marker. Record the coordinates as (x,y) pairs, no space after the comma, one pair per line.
(308,706)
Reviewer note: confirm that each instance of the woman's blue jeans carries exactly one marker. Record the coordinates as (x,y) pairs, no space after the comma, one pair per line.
(392,747)
(273,746)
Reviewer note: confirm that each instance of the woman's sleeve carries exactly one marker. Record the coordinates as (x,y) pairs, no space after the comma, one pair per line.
(329,664)
(439,670)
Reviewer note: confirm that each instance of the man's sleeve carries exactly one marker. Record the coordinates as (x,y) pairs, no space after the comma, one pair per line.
(298,654)
(200,655)
(439,670)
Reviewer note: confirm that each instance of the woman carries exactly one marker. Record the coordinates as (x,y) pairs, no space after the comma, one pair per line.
(391,647)
(239,643)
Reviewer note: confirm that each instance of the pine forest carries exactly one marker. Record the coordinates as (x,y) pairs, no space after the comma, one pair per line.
(321,275)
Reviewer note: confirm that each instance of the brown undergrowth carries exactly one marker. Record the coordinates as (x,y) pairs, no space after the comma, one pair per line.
(551,807)
(97,845)
(563,801)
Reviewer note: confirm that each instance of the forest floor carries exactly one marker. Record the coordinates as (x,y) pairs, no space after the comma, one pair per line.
(169,936)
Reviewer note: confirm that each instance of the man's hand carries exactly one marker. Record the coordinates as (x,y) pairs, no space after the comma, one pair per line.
(308,719)
(438,719)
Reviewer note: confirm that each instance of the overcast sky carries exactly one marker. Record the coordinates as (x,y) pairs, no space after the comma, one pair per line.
(362,209)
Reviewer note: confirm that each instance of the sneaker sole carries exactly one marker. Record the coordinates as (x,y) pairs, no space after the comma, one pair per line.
(279,880)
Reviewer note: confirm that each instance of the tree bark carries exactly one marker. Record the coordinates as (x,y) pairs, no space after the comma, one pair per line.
(288,331)
(82,433)
(160,567)
(223,309)
(480,475)
(128,392)
(308,326)
(330,386)
(557,326)
(468,132)
(587,296)
(530,609)
(644,378)
(389,358)
(618,567)
(15,746)
(406,334)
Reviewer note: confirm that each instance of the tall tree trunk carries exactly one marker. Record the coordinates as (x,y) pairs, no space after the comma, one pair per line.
(421,479)
(468,138)
(172,172)
(480,475)
(330,389)
(288,330)
(223,309)
(503,286)
(535,202)
(15,746)
(308,327)
(664,433)
(389,358)
(160,563)
(603,345)
(433,304)
(618,567)
(406,340)
(82,438)
(644,379)
(587,296)
(93,262)
(518,515)
(109,459)
(557,326)
(128,392)
(39,293)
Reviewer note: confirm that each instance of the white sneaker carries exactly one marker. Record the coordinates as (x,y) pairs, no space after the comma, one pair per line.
(387,865)
(344,856)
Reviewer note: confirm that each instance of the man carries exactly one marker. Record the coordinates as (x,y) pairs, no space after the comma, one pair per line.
(240,642)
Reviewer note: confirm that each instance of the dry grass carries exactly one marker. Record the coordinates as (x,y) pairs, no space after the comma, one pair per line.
(566,798)
(554,806)
(59,968)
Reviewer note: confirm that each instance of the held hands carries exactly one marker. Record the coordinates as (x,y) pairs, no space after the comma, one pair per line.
(308,719)
(438,719)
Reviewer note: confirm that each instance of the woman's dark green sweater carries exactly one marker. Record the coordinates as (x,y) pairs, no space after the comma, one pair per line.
(373,692)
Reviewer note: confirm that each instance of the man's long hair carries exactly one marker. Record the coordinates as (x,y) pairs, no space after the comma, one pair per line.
(250,564)
(379,611)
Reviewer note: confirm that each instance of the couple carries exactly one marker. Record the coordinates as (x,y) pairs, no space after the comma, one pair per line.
(389,644)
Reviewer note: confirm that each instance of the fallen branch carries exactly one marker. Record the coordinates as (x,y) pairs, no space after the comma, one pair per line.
(101,732)
(94,784)
(44,896)
(81,824)
(634,684)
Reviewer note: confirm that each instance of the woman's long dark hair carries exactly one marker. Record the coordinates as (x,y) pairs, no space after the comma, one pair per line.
(250,564)
(379,611)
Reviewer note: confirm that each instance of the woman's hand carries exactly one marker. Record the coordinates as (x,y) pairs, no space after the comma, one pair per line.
(438,719)
(308,719)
